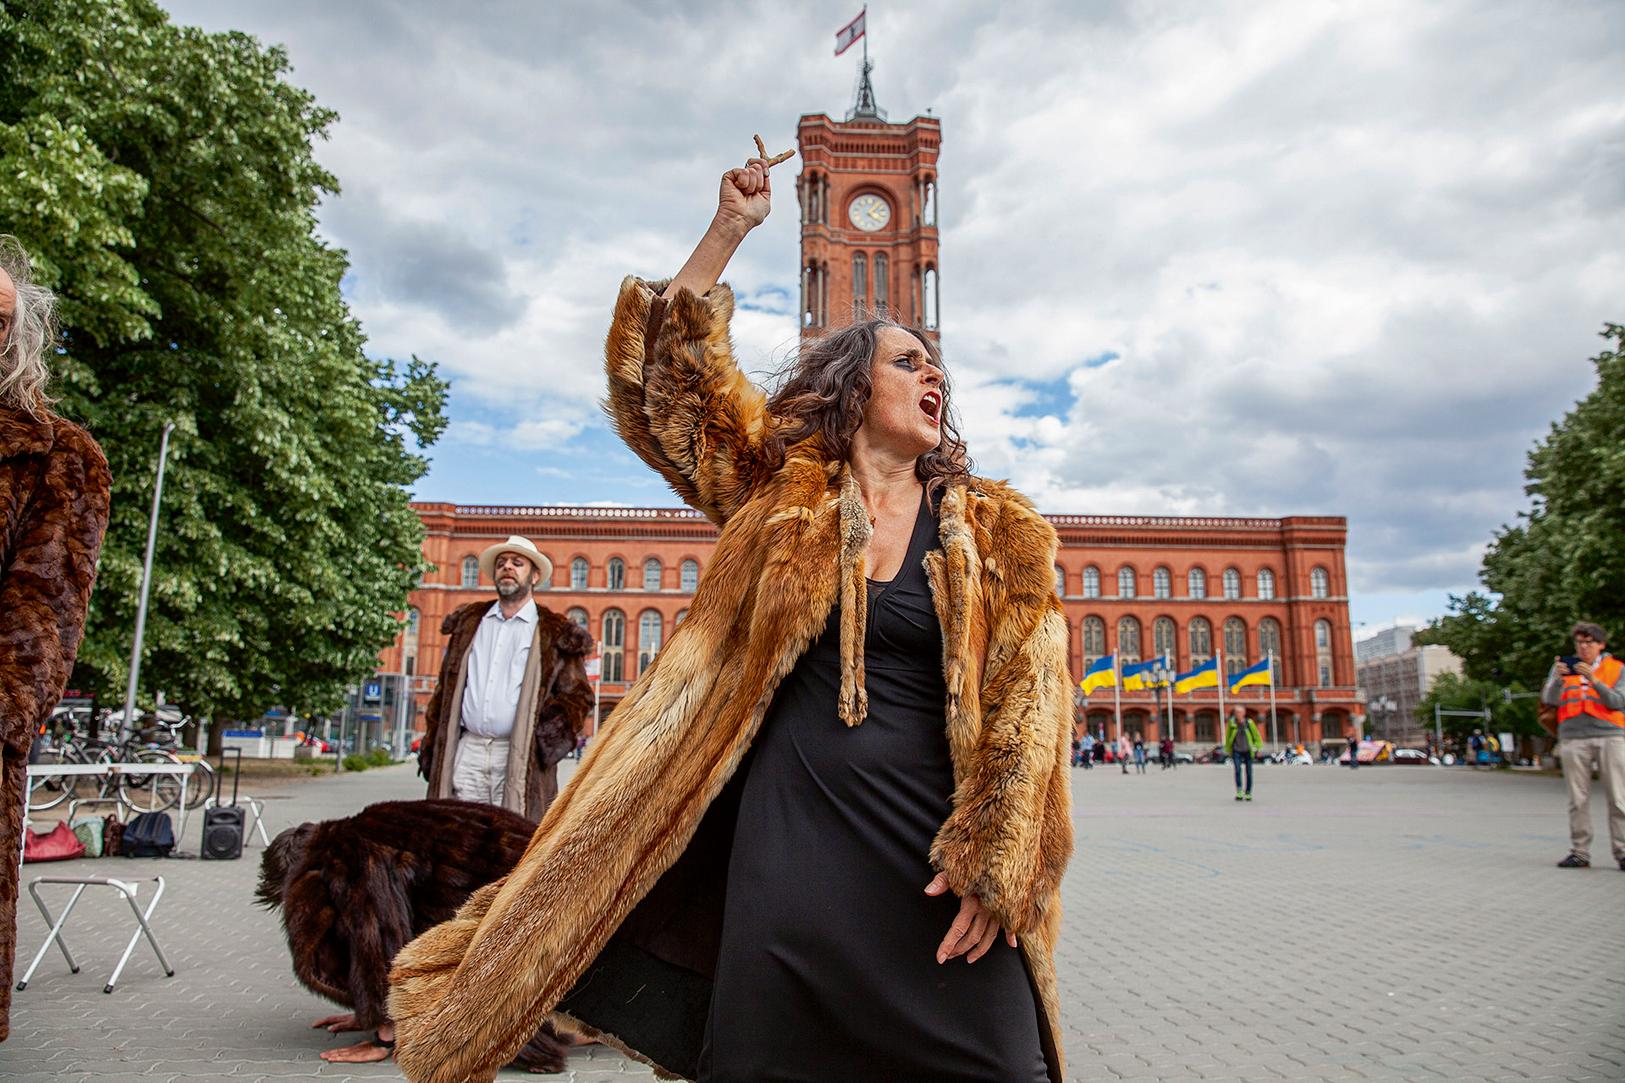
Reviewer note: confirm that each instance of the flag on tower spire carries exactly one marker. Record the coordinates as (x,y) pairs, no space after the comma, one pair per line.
(848,35)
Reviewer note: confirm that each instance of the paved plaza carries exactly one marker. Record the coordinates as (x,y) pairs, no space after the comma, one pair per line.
(1387,923)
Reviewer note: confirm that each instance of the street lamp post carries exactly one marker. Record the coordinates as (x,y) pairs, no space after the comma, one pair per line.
(1161,677)
(1385,707)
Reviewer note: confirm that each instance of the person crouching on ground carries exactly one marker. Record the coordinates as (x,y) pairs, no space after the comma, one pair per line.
(513,694)
(1242,742)
(1590,701)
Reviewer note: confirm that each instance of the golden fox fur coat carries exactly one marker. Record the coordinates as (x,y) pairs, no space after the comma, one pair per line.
(609,920)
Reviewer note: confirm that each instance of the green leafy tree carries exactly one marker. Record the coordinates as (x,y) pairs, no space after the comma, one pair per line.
(164,180)
(1564,560)
(1457,693)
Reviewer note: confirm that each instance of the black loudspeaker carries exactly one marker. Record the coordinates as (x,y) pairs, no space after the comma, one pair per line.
(223,824)
(222,833)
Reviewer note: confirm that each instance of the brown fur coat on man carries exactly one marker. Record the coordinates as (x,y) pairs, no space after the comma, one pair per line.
(563,700)
(354,891)
(610,918)
(53,510)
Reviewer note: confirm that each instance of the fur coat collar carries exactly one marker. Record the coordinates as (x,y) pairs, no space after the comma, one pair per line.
(571,926)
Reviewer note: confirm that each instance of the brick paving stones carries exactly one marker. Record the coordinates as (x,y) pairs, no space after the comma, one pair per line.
(1384,924)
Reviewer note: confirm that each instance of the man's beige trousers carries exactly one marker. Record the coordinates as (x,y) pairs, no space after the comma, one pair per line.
(1606,756)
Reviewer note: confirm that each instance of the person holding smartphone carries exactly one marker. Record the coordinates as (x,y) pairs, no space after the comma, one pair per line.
(1588,690)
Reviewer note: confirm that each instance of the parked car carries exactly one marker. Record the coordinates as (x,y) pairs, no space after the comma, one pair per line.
(1414,757)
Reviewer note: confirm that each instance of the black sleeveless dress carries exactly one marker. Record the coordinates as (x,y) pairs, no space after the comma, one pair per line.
(827,970)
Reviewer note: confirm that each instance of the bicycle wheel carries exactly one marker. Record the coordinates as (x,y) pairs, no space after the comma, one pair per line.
(149,793)
(49,791)
(200,787)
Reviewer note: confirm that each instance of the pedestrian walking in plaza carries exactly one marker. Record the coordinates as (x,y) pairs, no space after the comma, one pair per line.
(53,509)
(1242,742)
(1125,751)
(1139,754)
(880,632)
(1165,752)
(513,696)
(1088,750)
(1479,748)
(1588,690)
(1354,749)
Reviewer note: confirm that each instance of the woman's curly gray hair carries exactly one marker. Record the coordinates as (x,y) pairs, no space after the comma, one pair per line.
(24,371)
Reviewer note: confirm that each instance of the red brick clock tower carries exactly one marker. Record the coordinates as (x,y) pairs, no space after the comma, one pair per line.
(868,195)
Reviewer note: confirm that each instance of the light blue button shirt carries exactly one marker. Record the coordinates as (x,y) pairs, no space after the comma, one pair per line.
(496,670)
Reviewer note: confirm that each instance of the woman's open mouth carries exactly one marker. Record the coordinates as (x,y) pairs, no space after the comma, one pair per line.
(931,407)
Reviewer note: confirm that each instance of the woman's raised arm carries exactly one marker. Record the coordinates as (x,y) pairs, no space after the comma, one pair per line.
(743,203)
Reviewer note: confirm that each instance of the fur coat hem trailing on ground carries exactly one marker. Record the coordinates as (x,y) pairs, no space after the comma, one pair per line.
(573,918)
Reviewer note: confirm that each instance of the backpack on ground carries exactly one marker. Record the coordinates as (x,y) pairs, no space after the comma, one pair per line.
(148,835)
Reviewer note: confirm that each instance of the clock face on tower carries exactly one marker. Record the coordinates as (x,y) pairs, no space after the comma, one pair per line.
(869,213)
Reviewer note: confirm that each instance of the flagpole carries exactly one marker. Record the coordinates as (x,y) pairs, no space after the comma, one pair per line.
(1274,738)
(1218,665)
(1169,671)
(1117,690)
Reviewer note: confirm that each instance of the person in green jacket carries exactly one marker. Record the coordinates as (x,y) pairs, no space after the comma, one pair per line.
(1242,743)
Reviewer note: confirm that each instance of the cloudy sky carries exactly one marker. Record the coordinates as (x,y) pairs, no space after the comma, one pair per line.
(1243,258)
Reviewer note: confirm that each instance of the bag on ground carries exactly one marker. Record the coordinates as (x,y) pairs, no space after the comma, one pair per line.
(90,831)
(148,835)
(112,832)
(57,844)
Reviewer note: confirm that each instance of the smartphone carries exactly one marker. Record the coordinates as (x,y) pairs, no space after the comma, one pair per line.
(1569,660)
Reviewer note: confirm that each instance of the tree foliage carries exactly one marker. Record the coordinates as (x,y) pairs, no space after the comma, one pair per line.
(1564,560)
(1456,693)
(164,180)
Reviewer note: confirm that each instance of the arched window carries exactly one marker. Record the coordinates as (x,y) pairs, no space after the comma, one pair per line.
(1235,645)
(471,571)
(860,281)
(617,574)
(930,288)
(1060,580)
(1196,583)
(1320,585)
(576,616)
(1162,584)
(578,573)
(1091,582)
(651,574)
(614,637)
(1125,582)
(1232,584)
(1094,639)
(1128,641)
(1323,652)
(649,628)
(1266,584)
(1201,636)
(882,283)
(690,576)
(1269,644)
(678,619)
(409,642)
(1164,639)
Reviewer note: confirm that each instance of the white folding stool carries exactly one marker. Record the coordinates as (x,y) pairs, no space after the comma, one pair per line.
(126,888)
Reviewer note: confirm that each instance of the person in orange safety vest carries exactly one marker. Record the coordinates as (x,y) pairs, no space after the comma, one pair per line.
(1588,690)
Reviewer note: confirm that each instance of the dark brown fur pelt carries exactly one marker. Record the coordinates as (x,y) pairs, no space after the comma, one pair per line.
(354,891)
(53,510)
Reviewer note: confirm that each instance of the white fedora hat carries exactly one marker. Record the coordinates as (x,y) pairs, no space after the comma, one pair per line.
(514,544)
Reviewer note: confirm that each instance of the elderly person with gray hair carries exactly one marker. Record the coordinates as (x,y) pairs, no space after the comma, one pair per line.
(53,510)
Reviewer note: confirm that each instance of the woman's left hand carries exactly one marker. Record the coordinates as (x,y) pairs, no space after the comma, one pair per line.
(973,931)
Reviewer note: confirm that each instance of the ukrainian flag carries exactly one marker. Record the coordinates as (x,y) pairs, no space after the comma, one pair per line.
(1101,674)
(1205,675)
(1138,676)
(1259,674)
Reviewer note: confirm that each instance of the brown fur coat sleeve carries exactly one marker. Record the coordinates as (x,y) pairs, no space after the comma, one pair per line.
(45,585)
(1009,836)
(678,399)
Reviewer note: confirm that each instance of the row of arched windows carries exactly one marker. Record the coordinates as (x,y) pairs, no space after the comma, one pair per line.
(653,578)
(612,639)
(1196,584)
(1240,648)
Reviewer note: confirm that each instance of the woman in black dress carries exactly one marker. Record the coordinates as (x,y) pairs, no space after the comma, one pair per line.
(842,957)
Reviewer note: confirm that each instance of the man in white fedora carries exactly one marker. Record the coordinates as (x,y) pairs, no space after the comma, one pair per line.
(513,693)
